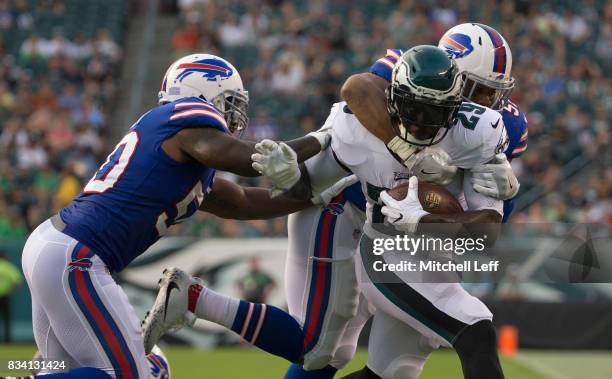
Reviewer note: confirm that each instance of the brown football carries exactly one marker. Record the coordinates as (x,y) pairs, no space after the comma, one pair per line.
(433,198)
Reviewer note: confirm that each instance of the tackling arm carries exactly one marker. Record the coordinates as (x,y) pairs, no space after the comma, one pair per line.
(221,151)
(365,95)
(231,201)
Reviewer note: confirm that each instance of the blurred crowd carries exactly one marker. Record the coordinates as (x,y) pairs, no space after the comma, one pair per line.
(294,55)
(58,75)
(58,81)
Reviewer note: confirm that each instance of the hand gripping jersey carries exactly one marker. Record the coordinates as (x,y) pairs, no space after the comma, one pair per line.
(514,120)
(140,191)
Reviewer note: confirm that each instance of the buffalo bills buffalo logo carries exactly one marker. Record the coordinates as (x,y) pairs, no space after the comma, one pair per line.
(335,208)
(209,68)
(158,366)
(82,264)
(457,45)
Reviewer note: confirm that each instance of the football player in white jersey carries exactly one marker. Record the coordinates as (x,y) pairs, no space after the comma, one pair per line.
(424,102)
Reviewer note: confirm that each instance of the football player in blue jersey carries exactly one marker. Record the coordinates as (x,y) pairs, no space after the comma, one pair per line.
(77,373)
(160,173)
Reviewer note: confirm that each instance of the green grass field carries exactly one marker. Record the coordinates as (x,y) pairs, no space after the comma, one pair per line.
(247,363)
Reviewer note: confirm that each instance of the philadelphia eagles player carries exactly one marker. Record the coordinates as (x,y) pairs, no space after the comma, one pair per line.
(424,101)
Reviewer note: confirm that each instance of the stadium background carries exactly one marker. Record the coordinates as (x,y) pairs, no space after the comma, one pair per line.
(75,74)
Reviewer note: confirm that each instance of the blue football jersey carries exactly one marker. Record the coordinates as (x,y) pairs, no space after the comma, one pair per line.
(140,191)
(354,195)
(516,126)
(518,133)
(514,120)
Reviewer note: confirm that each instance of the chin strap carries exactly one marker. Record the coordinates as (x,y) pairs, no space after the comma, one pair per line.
(403,150)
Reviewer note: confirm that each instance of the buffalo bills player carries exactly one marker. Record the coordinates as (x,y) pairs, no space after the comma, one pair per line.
(158,364)
(160,173)
(77,373)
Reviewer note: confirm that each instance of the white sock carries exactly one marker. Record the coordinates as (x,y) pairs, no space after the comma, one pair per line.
(213,306)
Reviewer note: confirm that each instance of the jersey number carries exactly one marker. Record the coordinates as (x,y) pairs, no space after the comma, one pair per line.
(195,195)
(116,163)
(114,167)
(475,110)
(512,108)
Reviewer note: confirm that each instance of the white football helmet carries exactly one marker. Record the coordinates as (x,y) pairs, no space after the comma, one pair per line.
(211,78)
(484,56)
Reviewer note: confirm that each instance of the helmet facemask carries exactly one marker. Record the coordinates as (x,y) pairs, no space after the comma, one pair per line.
(420,121)
(496,93)
(234,105)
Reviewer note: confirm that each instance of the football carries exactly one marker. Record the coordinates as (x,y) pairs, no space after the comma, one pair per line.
(434,198)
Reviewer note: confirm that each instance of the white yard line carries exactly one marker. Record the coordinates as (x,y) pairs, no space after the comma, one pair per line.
(539,367)
(568,364)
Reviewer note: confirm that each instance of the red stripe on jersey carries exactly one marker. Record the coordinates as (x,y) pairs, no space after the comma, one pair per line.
(387,62)
(198,112)
(519,150)
(196,104)
(393,54)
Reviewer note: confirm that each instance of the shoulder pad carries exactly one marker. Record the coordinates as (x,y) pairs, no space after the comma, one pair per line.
(383,67)
(477,136)
(347,135)
(194,112)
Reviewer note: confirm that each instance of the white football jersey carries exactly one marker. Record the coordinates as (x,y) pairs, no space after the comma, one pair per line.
(477,136)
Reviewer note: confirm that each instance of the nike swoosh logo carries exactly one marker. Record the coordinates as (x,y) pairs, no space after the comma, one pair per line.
(171,286)
(426,173)
(496,123)
(509,182)
(401,216)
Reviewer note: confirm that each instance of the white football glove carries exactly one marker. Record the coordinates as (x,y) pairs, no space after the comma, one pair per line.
(278,162)
(323,135)
(404,214)
(496,179)
(431,165)
(334,190)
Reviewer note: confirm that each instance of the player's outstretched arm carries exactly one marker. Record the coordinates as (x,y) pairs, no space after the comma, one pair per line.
(221,151)
(365,96)
(229,200)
